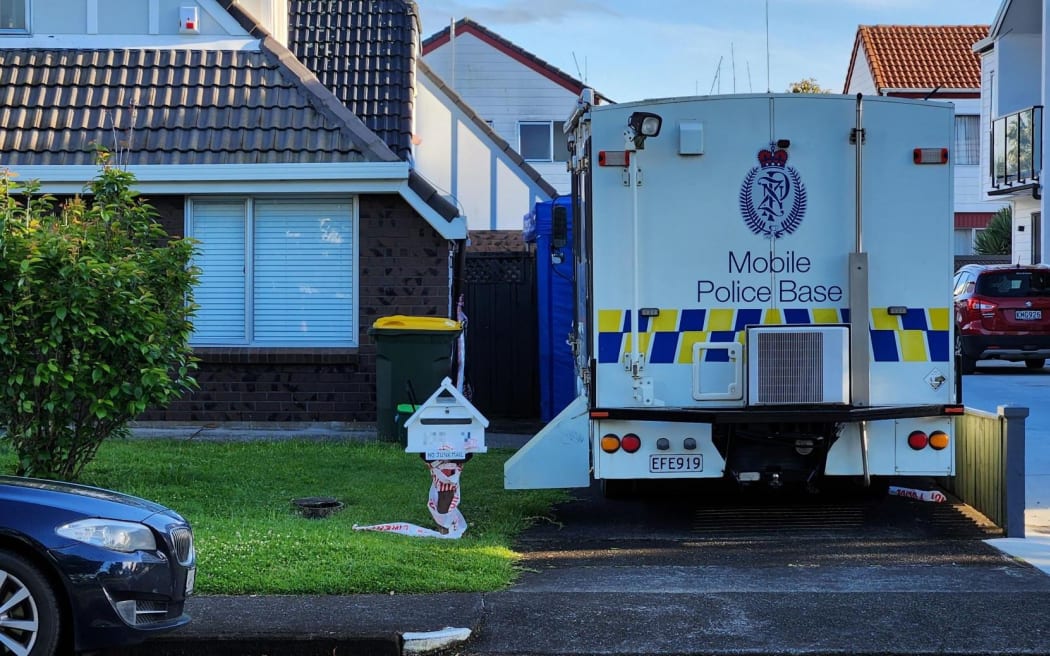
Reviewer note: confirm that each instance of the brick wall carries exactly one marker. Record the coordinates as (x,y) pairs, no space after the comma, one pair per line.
(403,270)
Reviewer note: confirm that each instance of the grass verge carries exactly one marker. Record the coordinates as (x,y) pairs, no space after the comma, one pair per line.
(250,539)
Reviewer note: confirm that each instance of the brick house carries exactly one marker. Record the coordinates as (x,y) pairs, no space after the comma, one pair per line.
(311,222)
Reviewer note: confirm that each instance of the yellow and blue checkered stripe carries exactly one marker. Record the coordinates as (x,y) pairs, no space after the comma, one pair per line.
(918,335)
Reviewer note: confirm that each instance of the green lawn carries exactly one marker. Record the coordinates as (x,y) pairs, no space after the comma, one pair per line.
(251,540)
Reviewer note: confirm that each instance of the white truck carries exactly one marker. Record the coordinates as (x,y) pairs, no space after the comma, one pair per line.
(763,293)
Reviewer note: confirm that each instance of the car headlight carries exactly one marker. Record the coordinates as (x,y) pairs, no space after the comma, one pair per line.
(110,534)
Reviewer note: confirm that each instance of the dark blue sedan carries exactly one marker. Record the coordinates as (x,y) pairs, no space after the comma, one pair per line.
(82,568)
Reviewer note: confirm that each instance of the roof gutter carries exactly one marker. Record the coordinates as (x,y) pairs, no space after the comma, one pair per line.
(454,228)
(984,45)
(181,179)
(929,90)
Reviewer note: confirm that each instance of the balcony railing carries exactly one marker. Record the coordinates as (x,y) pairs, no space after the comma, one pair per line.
(1017,148)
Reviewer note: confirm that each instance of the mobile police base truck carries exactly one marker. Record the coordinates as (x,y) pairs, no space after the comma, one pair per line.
(762,293)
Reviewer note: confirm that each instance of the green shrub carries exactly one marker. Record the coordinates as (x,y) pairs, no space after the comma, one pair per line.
(95,318)
(995,239)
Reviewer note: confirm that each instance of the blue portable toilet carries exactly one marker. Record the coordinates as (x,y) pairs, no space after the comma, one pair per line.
(554,286)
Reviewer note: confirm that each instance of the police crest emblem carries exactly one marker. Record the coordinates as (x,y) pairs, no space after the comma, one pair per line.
(773,198)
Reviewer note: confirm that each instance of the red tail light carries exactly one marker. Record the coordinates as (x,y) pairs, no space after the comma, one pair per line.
(631,443)
(918,440)
(984,307)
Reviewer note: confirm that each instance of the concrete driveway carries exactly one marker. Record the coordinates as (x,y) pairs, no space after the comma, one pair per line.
(1011,383)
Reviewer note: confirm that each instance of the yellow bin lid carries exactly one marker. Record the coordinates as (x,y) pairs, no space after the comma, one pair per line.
(403,322)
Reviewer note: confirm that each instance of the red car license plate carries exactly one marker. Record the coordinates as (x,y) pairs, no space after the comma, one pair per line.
(1028,315)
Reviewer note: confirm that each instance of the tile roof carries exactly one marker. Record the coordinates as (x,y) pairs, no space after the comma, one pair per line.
(170,107)
(364,51)
(921,57)
(469,26)
(179,106)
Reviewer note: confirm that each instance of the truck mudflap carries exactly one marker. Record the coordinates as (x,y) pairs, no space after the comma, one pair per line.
(556,457)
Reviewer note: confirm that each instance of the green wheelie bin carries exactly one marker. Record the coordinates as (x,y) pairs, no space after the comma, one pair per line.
(413,356)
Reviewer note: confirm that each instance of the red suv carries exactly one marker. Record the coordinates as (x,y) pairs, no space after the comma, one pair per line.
(1002,312)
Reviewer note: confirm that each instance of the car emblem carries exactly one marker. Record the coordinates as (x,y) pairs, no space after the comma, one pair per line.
(1028,304)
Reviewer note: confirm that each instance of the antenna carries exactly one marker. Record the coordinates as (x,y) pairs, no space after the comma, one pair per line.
(578,71)
(732,56)
(718,74)
(767,47)
(750,89)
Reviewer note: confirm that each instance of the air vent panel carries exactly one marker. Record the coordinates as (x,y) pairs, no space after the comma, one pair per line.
(798,365)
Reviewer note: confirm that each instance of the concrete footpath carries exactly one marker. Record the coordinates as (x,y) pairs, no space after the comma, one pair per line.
(535,623)
(697,610)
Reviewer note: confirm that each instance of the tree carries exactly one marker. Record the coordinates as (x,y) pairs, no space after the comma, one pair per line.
(808,85)
(995,239)
(96,320)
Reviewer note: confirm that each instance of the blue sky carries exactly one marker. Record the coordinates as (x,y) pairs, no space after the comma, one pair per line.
(630,50)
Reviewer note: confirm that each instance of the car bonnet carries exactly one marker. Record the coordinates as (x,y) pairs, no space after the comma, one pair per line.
(80,499)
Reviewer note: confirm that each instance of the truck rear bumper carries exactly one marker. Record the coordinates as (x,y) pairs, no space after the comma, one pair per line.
(794,413)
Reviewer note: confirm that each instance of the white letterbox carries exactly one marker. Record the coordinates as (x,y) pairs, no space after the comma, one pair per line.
(446,426)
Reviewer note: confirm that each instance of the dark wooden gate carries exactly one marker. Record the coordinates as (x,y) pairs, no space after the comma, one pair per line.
(502,372)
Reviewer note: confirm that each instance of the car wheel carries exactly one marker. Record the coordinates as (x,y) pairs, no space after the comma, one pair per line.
(29,616)
(1035,364)
(967,365)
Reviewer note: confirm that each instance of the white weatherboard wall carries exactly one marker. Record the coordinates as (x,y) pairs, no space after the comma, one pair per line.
(1024,207)
(456,156)
(861,81)
(504,91)
(989,63)
(969,196)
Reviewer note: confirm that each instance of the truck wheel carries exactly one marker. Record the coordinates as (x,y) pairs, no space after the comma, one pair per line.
(1035,364)
(31,621)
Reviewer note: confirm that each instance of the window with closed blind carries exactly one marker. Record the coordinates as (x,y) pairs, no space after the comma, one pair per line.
(275,272)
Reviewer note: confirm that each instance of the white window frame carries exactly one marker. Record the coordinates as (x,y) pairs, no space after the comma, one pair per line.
(550,141)
(251,316)
(969,235)
(553,154)
(6,30)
